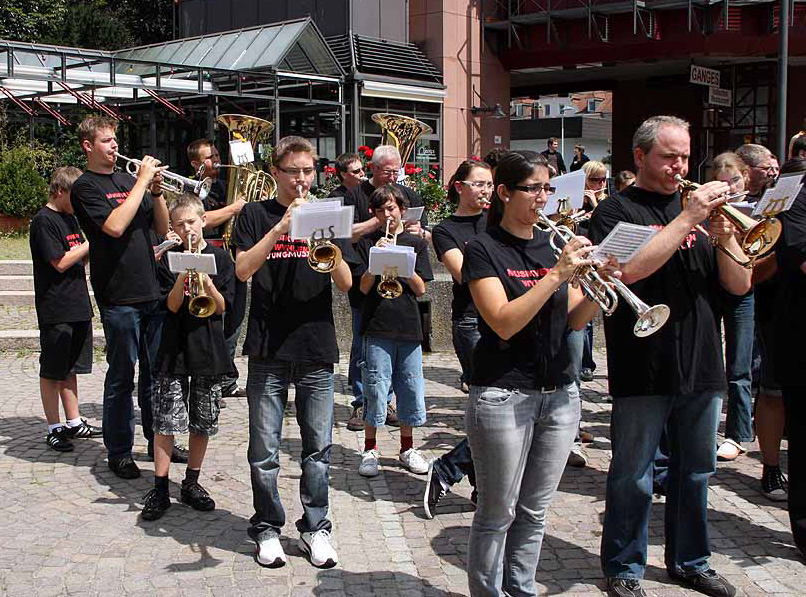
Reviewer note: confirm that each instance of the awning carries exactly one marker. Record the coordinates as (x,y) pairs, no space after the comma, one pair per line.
(402,92)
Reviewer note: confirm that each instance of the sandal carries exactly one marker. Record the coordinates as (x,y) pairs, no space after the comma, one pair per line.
(729,450)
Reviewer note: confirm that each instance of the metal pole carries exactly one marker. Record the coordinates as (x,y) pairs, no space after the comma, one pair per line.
(562,131)
(783,59)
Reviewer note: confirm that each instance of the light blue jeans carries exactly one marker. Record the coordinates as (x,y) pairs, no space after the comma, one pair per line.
(739,317)
(520,441)
(393,364)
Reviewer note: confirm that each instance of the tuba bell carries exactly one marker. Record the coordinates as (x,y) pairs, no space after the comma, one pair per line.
(400,131)
(246,180)
(200,304)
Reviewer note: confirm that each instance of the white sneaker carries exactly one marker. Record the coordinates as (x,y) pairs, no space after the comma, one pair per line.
(269,553)
(369,464)
(414,461)
(320,551)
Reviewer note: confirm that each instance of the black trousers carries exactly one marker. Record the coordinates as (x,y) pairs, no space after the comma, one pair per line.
(795,403)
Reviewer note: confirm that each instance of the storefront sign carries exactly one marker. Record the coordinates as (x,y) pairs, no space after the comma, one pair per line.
(720,97)
(425,154)
(704,76)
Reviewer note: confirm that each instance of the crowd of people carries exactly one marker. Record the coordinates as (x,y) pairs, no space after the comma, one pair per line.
(522,332)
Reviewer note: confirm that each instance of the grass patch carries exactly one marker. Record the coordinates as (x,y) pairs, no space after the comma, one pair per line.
(14,245)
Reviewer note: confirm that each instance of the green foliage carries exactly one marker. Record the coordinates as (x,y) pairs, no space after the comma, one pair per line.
(435,196)
(31,20)
(94,25)
(22,189)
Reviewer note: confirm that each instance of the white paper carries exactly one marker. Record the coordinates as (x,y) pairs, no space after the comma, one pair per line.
(403,258)
(166,244)
(746,207)
(624,242)
(328,218)
(241,152)
(780,197)
(413,214)
(202,263)
(570,186)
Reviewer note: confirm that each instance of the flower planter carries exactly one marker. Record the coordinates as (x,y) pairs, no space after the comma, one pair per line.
(13,224)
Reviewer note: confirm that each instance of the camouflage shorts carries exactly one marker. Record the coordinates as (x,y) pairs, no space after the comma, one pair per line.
(183,404)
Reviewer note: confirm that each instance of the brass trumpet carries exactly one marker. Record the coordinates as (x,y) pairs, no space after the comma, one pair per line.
(568,218)
(323,255)
(389,287)
(757,237)
(200,304)
(171,183)
(605,290)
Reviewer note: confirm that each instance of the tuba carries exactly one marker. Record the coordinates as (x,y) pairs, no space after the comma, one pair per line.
(757,237)
(200,304)
(400,131)
(323,255)
(246,180)
(389,287)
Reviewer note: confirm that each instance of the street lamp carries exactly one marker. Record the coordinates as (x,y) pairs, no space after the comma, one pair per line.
(562,128)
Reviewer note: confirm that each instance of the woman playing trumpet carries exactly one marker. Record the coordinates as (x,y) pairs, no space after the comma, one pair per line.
(523,409)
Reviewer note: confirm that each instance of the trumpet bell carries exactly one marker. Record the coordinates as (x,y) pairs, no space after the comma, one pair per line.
(651,320)
(758,237)
(201,306)
(390,288)
(323,256)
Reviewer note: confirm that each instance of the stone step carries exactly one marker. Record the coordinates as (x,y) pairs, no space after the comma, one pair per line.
(14,283)
(23,298)
(16,267)
(29,339)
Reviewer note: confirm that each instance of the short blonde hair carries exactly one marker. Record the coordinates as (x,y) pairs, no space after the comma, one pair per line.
(187,201)
(593,167)
(92,125)
(292,144)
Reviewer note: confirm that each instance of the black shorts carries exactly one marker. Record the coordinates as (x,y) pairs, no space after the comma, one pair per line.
(66,349)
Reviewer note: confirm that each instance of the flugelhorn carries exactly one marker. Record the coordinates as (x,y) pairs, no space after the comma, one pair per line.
(389,287)
(172,183)
(200,304)
(323,255)
(757,237)
(605,290)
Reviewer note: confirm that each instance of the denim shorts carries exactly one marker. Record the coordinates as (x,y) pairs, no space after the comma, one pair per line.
(399,364)
(184,404)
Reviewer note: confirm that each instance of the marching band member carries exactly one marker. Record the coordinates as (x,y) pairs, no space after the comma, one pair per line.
(290,339)
(523,408)
(350,171)
(673,378)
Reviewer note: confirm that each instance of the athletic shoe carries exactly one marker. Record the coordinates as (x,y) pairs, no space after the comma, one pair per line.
(435,490)
(269,553)
(391,416)
(774,484)
(125,467)
(369,464)
(707,582)
(83,430)
(576,457)
(235,392)
(586,375)
(729,450)
(356,420)
(414,461)
(586,437)
(625,587)
(155,505)
(196,496)
(317,546)
(58,440)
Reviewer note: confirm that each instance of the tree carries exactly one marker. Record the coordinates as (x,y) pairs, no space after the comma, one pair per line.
(31,20)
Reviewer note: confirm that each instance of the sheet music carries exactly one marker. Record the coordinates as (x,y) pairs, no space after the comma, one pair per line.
(202,263)
(780,197)
(329,216)
(403,258)
(413,214)
(241,152)
(624,242)
(568,186)
(167,244)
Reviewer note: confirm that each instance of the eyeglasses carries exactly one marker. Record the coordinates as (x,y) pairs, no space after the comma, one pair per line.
(535,189)
(388,172)
(356,171)
(599,179)
(297,171)
(767,169)
(477,184)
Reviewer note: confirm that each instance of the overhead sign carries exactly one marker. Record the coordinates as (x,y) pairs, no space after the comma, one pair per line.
(704,76)
(720,97)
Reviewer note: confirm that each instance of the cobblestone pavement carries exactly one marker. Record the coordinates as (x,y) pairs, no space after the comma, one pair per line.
(69,526)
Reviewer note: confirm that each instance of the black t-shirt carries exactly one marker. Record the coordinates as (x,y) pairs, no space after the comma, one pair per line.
(398,318)
(291,315)
(122,270)
(536,356)
(339,191)
(454,233)
(685,355)
(59,297)
(196,345)
(359,197)
(216,199)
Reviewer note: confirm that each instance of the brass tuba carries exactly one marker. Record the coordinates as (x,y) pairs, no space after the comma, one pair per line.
(200,304)
(400,131)
(246,180)
(757,237)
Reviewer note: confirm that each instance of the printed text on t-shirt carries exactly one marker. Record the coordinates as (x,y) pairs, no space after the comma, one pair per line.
(287,248)
(688,241)
(527,277)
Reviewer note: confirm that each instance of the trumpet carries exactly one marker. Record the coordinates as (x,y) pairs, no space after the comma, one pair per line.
(605,290)
(568,218)
(172,183)
(200,304)
(757,237)
(323,255)
(389,287)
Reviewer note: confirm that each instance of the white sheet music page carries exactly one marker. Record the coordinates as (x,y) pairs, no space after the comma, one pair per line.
(241,152)
(780,197)
(201,262)
(328,217)
(403,258)
(413,214)
(568,186)
(624,242)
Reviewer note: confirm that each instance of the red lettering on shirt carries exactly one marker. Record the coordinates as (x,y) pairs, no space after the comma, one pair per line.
(119,197)
(73,241)
(689,241)
(528,277)
(289,248)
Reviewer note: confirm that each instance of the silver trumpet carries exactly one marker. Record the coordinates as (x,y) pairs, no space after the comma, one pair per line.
(605,290)
(172,183)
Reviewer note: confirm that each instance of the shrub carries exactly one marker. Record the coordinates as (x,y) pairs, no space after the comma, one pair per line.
(22,189)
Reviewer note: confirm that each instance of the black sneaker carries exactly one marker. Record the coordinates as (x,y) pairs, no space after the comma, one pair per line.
(391,416)
(155,505)
(125,467)
(83,430)
(434,491)
(707,582)
(58,440)
(625,587)
(774,484)
(196,496)
(178,455)
(586,375)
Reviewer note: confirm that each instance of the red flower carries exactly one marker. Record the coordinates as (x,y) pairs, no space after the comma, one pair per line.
(431,175)
(475,157)
(330,170)
(363,148)
(418,170)
(409,169)
(368,153)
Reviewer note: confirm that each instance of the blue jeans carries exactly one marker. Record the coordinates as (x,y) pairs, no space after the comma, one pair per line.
(393,364)
(453,466)
(635,429)
(132,334)
(520,441)
(354,375)
(739,316)
(465,337)
(267,395)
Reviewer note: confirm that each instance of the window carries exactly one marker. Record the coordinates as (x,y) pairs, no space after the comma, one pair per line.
(547,110)
(593,104)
